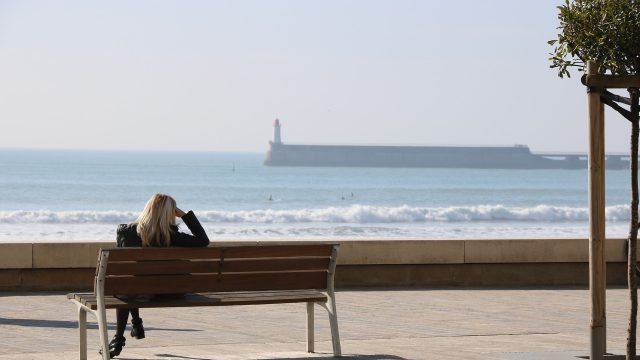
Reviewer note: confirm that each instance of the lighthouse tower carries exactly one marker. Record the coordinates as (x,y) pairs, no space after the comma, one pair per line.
(276,132)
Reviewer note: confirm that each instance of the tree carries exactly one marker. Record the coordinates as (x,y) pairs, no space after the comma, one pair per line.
(608,32)
(605,31)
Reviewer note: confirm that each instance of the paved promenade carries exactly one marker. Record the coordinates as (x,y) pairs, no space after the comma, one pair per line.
(374,325)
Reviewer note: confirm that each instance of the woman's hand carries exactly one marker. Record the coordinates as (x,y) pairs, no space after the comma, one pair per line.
(179,213)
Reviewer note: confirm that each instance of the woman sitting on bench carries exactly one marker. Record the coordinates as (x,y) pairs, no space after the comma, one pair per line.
(155,226)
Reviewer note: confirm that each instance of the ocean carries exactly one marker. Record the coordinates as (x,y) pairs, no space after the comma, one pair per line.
(82,195)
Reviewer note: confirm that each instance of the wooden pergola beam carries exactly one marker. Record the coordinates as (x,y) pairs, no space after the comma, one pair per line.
(611,81)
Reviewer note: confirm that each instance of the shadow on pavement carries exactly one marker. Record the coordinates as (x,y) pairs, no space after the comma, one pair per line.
(68,324)
(347,357)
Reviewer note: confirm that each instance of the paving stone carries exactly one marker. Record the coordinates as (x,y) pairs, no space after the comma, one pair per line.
(394,324)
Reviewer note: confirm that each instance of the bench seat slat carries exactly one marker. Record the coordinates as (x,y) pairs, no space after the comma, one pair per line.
(213,266)
(169,284)
(206,299)
(246,252)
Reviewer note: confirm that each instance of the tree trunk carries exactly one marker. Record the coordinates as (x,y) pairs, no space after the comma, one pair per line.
(633,227)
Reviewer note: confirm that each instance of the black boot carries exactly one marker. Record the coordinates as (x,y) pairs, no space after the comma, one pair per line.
(115,346)
(137,330)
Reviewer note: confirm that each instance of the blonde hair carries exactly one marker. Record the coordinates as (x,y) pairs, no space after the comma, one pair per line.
(153,223)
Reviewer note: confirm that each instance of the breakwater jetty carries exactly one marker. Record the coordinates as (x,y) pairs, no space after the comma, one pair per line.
(480,157)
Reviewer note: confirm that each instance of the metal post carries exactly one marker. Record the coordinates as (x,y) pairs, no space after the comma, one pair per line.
(310,328)
(82,328)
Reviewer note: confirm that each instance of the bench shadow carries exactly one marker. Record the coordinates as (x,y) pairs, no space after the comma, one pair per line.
(610,357)
(62,324)
(328,356)
(348,357)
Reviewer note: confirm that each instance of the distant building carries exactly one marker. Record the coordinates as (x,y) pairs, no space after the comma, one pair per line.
(276,132)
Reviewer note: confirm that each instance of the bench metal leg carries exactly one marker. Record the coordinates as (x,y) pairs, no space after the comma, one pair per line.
(310,328)
(331,303)
(333,322)
(101,313)
(82,328)
(104,336)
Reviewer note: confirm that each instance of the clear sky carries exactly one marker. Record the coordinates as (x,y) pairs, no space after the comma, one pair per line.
(213,75)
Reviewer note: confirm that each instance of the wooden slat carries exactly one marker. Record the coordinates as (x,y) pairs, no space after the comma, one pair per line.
(206,299)
(167,284)
(253,265)
(162,267)
(262,251)
(277,251)
(213,266)
(172,253)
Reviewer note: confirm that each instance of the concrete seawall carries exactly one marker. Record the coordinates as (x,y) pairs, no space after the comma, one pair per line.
(36,266)
(479,157)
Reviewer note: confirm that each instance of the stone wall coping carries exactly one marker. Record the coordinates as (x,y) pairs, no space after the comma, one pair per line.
(83,254)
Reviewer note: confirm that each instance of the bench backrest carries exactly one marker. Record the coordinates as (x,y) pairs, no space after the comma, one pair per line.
(126,271)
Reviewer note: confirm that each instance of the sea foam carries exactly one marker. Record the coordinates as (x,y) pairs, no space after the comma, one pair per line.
(364,214)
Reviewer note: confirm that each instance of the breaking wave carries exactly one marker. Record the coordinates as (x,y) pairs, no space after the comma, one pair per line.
(363,214)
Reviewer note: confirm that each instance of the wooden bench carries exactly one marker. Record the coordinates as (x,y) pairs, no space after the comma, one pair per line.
(213,276)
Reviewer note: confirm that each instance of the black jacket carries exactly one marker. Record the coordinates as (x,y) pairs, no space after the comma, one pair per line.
(127,235)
